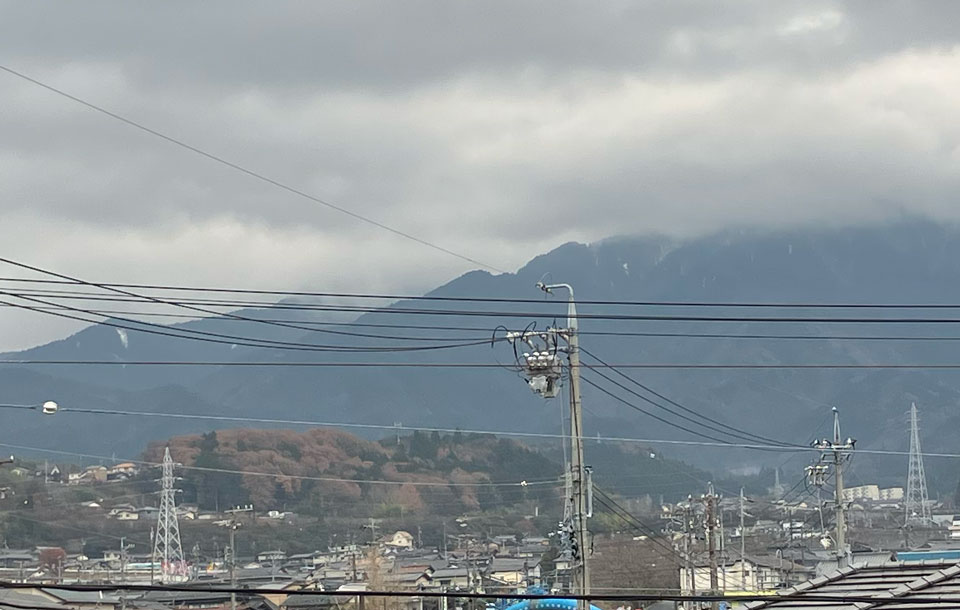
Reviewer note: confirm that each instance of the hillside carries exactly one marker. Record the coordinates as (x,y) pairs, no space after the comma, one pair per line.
(911,261)
(324,472)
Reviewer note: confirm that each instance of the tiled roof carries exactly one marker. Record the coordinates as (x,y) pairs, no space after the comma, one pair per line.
(890,584)
(17,598)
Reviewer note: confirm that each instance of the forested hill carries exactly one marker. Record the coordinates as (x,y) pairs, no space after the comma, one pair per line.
(323,470)
(326,472)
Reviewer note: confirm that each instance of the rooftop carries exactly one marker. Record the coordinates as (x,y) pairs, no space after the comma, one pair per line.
(894,585)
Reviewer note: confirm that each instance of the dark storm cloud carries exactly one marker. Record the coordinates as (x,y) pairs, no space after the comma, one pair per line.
(462,123)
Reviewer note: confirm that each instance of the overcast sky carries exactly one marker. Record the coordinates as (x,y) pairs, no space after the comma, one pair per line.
(496,129)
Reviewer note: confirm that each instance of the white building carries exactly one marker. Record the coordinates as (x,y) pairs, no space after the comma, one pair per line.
(754,575)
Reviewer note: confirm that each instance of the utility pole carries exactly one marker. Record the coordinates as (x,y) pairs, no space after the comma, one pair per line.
(743,547)
(835,452)
(687,547)
(233,564)
(543,369)
(710,502)
(123,560)
(153,555)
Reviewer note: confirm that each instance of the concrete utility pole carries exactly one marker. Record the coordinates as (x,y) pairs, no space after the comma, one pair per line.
(743,547)
(233,564)
(836,452)
(687,548)
(543,369)
(581,581)
(123,560)
(232,561)
(710,503)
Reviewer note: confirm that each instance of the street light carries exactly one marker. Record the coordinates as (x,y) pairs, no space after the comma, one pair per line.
(543,368)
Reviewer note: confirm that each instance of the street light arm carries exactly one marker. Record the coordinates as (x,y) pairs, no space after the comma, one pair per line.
(571,309)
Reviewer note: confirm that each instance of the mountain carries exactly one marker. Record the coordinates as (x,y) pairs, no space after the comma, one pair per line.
(907,262)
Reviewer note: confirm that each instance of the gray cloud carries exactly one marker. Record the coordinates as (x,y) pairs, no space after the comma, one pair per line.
(463,123)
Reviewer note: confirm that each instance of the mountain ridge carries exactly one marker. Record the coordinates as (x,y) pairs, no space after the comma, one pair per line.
(909,261)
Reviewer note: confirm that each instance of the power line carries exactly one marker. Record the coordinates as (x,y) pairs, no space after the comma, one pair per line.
(626,402)
(511,314)
(174,304)
(249,172)
(731,431)
(428,297)
(668,422)
(482,365)
(291,476)
(191,588)
(681,335)
(512,433)
(213,337)
(651,535)
(300,422)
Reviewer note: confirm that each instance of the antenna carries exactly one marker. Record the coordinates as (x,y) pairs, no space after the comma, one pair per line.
(167,548)
(917,506)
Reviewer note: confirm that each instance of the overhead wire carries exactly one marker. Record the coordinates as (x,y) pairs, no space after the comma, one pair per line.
(188,303)
(730,430)
(477,365)
(249,172)
(514,433)
(155,300)
(842,598)
(597,333)
(487,299)
(607,501)
(697,433)
(213,337)
(281,475)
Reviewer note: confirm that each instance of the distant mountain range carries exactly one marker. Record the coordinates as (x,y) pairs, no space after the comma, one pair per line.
(907,262)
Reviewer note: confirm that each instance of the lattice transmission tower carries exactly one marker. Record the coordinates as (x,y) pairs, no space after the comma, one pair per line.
(917,507)
(166,548)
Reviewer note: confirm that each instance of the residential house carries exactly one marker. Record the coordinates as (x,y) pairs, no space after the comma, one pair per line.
(117,508)
(454,578)
(122,471)
(14,558)
(755,574)
(889,585)
(514,571)
(94,474)
(398,540)
(277,556)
